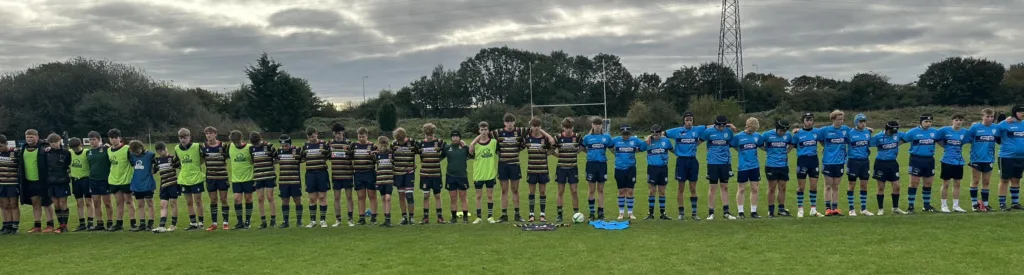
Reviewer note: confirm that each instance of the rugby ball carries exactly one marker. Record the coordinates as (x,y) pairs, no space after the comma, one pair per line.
(577,218)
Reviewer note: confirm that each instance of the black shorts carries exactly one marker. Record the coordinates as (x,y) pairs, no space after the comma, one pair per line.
(777,173)
(143,195)
(508,171)
(922,166)
(833,170)
(887,171)
(10,191)
(317,181)
(982,166)
(99,187)
(385,189)
(807,166)
(538,178)
(456,183)
(657,175)
(114,189)
(625,178)
(192,189)
(719,173)
(34,189)
(431,184)
(260,184)
(365,180)
(216,185)
(341,184)
(1011,168)
(290,190)
(951,172)
(687,169)
(405,181)
(567,175)
(62,190)
(243,187)
(858,169)
(170,193)
(480,184)
(597,172)
(80,188)
(745,176)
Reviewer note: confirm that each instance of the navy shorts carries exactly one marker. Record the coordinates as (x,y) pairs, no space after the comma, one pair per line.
(385,189)
(290,190)
(567,175)
(887,171)
(148,195)
(719,173)
(687,169)
(538,178)
(243,187)
(625,178)
(365,180)
(34,189)
(99,187)
(80,188)
(981,166)
(745,176)
(858,169)
(456,183)
(170,193)
(260,184)
(480,184)
(833,170)
(114,189)
(431,184)
(405,181)
(216,185)
(509,171)
(1011,168)
(807,166)
(777,173)
(951,172)
(60,190)
(317,181)
(10,191)
(657,175)
(341,184)
(922,166)
(597,172)
(192,189)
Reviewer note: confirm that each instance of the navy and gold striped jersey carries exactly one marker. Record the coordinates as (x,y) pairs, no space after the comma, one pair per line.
(216,162)
(537,150)
(341,160)
(362,157)
(404,156)
(8,167)
(289,161)
(568,149)
(385,168)
(166,169)
(510,143)
(315,155)
(431,153)
(263,161)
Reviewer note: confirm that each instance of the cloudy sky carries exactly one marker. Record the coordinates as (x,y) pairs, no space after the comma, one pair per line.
(334,43)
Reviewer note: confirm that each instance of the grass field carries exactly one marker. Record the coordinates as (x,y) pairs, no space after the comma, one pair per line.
(926,243)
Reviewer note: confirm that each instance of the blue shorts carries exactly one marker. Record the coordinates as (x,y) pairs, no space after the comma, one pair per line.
(807,166)
(657,175)
(216,185)
(191,189)
(1011,168)
(341,184)
(625,178)
(405,181)
(687,169)
(317,181)
(858,169)
(431,184)
(290,190)
(567,175)
(597,172)
(744,176)
(80,188)
(99,187)
(60,190)
(719,173)
(10,191)
(170,193)
(922,166)
(538,178)
(833,170)
(260,184)
(508,171)
(243,187)
(887,171)
(365,180)
(777,173)
(456,183)
(982,166)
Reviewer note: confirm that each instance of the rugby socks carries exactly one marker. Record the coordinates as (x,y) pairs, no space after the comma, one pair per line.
(693,206)
(349,216)
(119,223)
(89,222)
(273,219)
(849,198)
(800,199)
(771,209)
(622,205)
(1015,195)
(174,220)
(591,203)
(37,224)
(814,198)
(298,214)
(741,208)
(880,199)
(516,211)
(238,213)
(110,223)
(478,211)
(438,210)
(490,210)
(284,211)
(911,196)
(600,211)
(863,201)
(895,201)
(974,196)
(984,196)
(82,221)
(725,208)
(163,221)
(133,222)
(465,215)
(543,204)
(559,210)
(248,212)
(753,209)
(323,213)
(661,205)
(835,205)
(312,212)
(224,213)
(454,215)
(629,205)
(926,193)
(782,206)
(650,205)
(681,210)
(1002,201)
(532,200)
(213,213)
(828,204)
(149,223)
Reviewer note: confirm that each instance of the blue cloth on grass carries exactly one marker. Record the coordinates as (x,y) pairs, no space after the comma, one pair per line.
(610,225)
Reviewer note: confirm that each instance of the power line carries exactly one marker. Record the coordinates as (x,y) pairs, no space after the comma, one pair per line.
(905,4)
(874,10)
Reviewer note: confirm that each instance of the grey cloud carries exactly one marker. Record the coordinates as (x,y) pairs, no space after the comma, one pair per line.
(310,18)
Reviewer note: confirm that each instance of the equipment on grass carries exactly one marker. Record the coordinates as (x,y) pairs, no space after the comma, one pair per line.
(577,218)
(459,214)
(540,227)
(610,225)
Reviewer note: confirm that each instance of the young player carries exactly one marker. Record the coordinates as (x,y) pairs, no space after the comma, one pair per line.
(290,180)
(58,179)
(99,172)
(385,178)
(484,150)
(567,173)
(241,174)
(431,151)
(887,146)
(922,162)
(188,160)
(658,147)
(120,179)
(142,184)
(687,138)
(164,167)
(9,189)
(596,142)
(364,177)
(983,153)
(315,153)
(538,146)
(216,177)
(1011,158)
(719,165)
(777,145)
(749,169)
(807,165)
(341,172)
(263,174)
(858,165)
(80,184)
(834,140)
(404,149)
(510,143)
(625,148)
(33,181)
(457,155)
(952,139)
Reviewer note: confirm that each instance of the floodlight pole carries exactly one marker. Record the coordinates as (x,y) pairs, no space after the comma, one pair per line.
(531,90)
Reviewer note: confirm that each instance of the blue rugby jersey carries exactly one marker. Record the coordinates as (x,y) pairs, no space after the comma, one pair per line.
(625,150)
(718,145)
(983,142)
(922,141)
(806,142)
(1011,134)
(859,144)
(746,147)
(887,146)
(952,144)
(657,152)
(776,146)
(686,139)
(834,142)
(596,145)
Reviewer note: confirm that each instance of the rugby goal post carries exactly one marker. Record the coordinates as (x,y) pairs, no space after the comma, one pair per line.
(604,91)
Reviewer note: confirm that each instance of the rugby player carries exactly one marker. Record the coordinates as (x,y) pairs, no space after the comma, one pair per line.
(431,151)
(858,165)
(686,138)
(567,173)
(213,154)
(385,172)
(188,159)
(484,150)
(142,184)
(341,172)
(807,166)
(834,141)
(1011,158)
(315,153)
(749,170)
(777,145)
(887,150)
(120,179)
(922,162)
(658,148)
(596,142)
(625,148)
(983,152)
(241,173)
(719,165)
(952,139)
(538,146)
(80,184)
(510,143)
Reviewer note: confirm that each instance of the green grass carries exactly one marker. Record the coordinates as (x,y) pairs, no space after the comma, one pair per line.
(926,243)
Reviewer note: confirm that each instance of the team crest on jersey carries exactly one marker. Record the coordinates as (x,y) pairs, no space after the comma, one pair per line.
(164,166)
(138,165)
(240,157)
(77,163)
(486,153)
(286,156)
(186,159)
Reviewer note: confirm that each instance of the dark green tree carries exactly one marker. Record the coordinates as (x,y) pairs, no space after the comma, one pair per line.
(962,81)
(275,100)
(387,117)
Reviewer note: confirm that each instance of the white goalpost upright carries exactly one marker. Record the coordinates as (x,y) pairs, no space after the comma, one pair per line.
(604,90)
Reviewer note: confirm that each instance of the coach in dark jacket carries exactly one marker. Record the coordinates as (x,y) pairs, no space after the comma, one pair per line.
(41,165)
